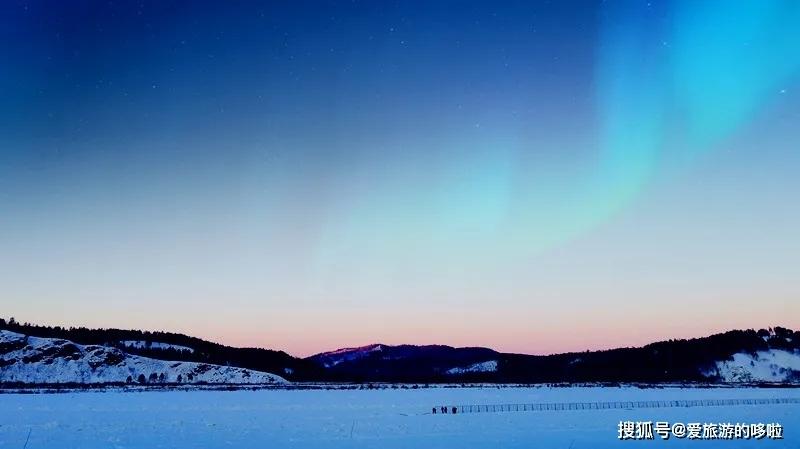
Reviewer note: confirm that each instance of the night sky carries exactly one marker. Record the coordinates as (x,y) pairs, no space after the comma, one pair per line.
(531,176)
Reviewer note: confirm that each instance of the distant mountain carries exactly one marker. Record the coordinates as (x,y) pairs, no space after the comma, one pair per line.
(771,355)
(35,360)
(333,358)
(767,355)
(405,363)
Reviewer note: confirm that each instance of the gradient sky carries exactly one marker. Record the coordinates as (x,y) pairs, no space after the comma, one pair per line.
(531,176)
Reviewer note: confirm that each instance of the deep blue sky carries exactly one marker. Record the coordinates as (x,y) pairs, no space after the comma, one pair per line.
(242,170)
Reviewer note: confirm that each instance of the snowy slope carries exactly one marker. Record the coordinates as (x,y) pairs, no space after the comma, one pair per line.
(774,365)
(489,366)
(48,360)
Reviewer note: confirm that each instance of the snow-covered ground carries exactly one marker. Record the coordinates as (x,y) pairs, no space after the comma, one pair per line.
(385,419)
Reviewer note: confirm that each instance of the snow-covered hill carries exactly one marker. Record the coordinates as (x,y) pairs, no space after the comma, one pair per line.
(774,365)
(47,360)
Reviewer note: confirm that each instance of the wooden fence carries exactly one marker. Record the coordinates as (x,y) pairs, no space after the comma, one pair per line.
(626,405)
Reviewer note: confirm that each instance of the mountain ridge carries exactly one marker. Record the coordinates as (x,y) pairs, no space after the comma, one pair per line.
(771,355)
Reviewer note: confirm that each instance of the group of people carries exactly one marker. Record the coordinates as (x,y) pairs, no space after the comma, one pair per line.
(443,410)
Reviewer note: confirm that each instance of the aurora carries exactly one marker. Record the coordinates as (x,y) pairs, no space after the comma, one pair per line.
(327,174)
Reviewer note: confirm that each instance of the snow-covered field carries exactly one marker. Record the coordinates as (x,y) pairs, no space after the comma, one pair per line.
(391,418)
